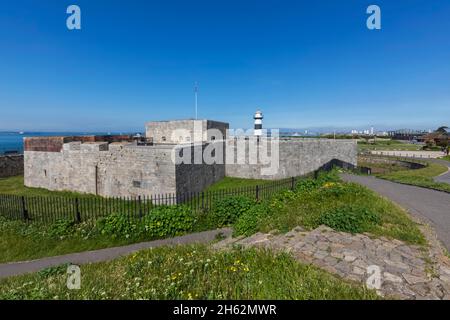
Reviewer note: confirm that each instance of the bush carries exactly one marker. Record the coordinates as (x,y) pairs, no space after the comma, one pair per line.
(227,211)
(307,185)
(164,221)
(348,218)
(247,223)
(117,225)
(310,184)
(279,199)
(61,228)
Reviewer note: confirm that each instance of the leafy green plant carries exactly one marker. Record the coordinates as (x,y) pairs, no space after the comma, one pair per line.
(350,218)
(310,184)
(226,211)
(307,185)
(247,223)
(279,199)
(53,271)
(62,228)
(117,225)
(164,221)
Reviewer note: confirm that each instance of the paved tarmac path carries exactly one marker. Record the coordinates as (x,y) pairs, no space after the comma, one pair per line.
(431,205)
(443,177)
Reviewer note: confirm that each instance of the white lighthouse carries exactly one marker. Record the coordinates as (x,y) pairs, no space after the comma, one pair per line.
(258,123)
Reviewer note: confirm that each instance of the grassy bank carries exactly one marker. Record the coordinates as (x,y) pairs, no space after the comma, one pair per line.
(15,186)
(420,177)
(326,200)
(342,206)
(232,183)
(388,145)
(20,241)
(188,272)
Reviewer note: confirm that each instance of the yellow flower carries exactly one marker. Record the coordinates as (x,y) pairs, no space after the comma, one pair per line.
(329,184)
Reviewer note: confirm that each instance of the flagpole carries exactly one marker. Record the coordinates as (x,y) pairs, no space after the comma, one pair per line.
(196,91)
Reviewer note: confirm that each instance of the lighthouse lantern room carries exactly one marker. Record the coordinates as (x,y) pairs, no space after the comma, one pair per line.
(258,123)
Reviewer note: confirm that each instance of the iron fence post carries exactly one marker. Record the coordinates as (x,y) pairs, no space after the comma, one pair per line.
(140,207)
(257,192)
(77,211)
(24,209)
(203,200)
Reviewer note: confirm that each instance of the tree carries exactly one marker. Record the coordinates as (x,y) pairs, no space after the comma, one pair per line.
(442,130)
(442,139)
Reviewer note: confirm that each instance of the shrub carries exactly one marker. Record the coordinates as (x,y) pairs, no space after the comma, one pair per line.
(227,211)
(307,185)
(348,218)
(117,225)
(62,228)
(164,221)
(247,223)
(279,199)
(310,184)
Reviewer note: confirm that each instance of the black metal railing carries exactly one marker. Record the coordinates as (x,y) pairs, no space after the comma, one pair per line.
(49,209)
(84,208)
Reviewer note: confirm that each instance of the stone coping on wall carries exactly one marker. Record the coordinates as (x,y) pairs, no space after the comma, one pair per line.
(55,144)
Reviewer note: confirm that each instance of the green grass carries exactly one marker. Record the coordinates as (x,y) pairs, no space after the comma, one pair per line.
(387,145)
(446,158)
(188,272)
(379,167)
(309,206)
(15,186)
(306,207)
(233,183)
(20,241)
(420,177)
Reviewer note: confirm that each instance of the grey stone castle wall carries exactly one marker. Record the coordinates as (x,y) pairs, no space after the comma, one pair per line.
(196,177)
(296,157)
(184,131)
(124,169)
(119,169)
(99,168)
(11,165)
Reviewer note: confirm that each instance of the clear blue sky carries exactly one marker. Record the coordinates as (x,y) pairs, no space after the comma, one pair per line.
(304,63)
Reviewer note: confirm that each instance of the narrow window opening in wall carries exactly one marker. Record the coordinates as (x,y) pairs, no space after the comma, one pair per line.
(163,138)
(45,173)
(213,153)
(137,183)
(213,138)
(181,153)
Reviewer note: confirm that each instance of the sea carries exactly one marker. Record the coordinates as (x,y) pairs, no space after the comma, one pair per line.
(13,141)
